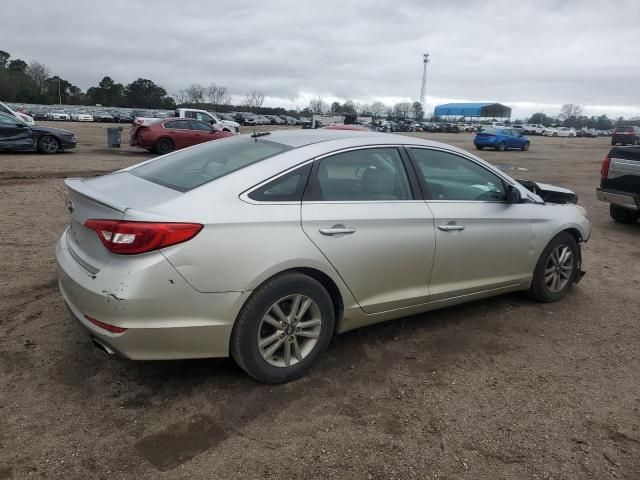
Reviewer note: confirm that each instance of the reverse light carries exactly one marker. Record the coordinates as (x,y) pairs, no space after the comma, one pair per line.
(105,326)
(132,238)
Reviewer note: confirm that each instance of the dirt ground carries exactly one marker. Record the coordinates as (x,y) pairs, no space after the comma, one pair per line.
(497,389)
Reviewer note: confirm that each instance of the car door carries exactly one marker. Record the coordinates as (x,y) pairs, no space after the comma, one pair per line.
(202,132)
(180,133)
(14,134)
(510,138)
(359,209)
(483,242)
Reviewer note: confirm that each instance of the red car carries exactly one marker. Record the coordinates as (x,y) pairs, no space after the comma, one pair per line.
(169,134)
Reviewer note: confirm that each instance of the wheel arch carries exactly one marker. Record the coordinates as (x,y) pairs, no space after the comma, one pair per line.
(330,285)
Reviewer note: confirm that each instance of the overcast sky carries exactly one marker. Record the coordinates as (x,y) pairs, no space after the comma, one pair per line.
(530,55)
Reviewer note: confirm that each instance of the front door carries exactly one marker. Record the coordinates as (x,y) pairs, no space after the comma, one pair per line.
(483,242)
(360,211)
(13,136)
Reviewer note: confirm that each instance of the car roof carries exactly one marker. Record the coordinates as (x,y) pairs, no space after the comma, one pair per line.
(300,138)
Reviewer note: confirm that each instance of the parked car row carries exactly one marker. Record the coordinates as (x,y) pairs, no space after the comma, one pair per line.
(251,119)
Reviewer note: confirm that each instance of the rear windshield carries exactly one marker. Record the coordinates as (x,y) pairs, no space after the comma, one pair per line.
(624,129)
(191,168)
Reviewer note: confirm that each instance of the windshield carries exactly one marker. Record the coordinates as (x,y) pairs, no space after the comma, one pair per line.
(625,129)
(188,169)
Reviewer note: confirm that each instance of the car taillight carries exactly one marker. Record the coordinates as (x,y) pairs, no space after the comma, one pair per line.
(604,172)
(131,238)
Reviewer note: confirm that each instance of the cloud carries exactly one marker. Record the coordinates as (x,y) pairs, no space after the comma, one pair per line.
(524,53)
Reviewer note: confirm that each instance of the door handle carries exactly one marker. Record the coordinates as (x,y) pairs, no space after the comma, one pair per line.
(451,228)
(337,230)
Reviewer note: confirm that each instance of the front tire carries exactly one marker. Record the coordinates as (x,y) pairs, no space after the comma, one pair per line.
(556,270)
(623,215)
(501,147)
(283,328)
(525,147)
(48,145)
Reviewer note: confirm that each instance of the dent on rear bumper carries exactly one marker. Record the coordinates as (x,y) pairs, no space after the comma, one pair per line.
(164,316)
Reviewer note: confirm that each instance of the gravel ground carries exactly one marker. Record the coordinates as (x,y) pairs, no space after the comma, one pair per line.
(500,388)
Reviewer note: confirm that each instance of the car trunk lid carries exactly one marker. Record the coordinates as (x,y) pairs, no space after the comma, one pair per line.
(106,198)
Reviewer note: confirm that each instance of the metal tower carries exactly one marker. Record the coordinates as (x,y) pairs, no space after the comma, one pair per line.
(424,79)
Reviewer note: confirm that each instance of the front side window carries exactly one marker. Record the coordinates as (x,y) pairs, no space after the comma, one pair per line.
(177,125)
(372,174)
(448,176)
(201,126)
(187,169)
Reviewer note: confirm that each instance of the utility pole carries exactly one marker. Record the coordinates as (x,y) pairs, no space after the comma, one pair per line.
(59,93)
(425,60)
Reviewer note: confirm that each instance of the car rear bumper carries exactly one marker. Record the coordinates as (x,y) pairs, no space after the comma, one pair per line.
(617,197)
(164,317)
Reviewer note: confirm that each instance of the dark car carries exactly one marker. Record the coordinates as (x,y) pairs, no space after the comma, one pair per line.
(620,184)
(626,136)
(17,135)
(166,135)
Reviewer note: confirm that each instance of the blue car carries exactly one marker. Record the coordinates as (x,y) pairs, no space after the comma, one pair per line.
(501,139)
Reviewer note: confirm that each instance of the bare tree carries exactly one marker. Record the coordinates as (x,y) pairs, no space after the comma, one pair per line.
(362,108)
(317,105)
(218,95)
(195,93)
(181,96)
(378,109)
(402,109)
(38,72)
(253,100)
(570,110)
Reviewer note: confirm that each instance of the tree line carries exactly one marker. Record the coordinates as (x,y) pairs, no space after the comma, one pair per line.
(33,82)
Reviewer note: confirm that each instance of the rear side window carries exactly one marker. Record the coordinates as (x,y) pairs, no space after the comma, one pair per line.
(287,188)
(187,169)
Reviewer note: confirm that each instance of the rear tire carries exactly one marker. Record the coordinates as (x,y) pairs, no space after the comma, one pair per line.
(623,215)
(501,147)
(479,147)
(48,145)
(255,325)
(164,146)
(556,269)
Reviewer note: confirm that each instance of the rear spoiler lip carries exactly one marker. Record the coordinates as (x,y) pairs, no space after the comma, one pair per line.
(78,186)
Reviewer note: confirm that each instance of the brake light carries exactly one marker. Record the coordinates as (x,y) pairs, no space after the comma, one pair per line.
(131,238)
(105,326)
(604,172)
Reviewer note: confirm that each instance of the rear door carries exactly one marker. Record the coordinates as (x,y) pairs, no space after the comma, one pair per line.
(180,132)
(14,136)
(360,210)
(483,242)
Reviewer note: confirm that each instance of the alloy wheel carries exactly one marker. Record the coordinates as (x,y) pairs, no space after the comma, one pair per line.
(559,268)
(289,330)
(49,144)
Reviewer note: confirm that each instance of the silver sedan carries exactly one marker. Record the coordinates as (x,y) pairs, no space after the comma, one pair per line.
(263,246)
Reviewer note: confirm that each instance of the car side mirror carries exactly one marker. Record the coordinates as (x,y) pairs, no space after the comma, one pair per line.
(513,195)
(21,125)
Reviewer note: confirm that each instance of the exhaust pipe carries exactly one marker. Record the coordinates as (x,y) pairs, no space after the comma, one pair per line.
(102,347)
